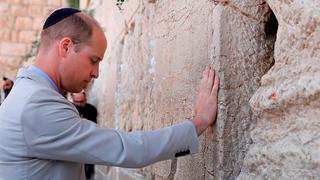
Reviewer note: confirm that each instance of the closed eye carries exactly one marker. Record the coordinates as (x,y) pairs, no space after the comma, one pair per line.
(95,59)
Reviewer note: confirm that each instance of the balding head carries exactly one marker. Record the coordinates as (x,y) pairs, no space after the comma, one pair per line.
(78,26)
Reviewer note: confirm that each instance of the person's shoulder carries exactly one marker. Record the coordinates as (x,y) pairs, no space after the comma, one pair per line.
(38,91)
(29,91)
(90,105)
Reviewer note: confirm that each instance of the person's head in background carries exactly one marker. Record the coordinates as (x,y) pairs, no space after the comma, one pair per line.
(79,99)
(7,86)
(72,45)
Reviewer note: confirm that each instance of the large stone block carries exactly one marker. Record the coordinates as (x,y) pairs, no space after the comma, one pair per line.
(10,61)
(37,23)
(243,53)
(7,22)
(13,1)
(14,36)
(165,48)
(162,48)
(56,3)
(4,34)
(286,137)
(36,11)
(10,48)
(27,36)
(4,8)
(24,2)
(18,10)
(38,2)
(23,23)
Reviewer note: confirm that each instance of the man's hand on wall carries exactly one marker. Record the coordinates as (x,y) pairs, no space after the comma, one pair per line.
(207,101)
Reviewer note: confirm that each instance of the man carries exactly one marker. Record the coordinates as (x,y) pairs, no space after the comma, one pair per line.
(85,109)
(41,133)
(6,88)
(88,112)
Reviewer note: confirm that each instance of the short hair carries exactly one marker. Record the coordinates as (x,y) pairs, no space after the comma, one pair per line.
(78,27)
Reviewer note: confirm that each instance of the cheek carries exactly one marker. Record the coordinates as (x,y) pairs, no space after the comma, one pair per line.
(81,67)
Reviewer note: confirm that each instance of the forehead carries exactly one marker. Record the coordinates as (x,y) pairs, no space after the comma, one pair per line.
(98,42)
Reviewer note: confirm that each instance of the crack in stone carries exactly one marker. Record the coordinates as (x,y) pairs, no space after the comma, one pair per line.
(173,170)
(228,4)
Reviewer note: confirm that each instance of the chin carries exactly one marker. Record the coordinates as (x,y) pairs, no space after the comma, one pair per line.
(76,90)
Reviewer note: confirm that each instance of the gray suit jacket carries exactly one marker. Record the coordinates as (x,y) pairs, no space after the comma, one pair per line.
(42,137)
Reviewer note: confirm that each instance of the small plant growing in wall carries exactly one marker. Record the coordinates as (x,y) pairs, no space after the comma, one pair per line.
(89,12)
(73,3)
(33,51)
(119,4)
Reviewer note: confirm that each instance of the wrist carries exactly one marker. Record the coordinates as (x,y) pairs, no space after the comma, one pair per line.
(198,126)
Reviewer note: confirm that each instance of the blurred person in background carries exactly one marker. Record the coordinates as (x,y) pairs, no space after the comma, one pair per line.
(6,88)
(88,112)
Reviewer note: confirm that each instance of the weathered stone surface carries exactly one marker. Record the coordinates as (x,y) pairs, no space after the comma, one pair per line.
(149,79)
(14,36)
(12,48)
(5,34)
(286,137)
(23,23)
(37,23)
(36,10)
(24,2)
(20,20)
(181,33)
(26,36)
(11,61)
(243,53)
(18,10)
(37,2)
(9,64)
(160,52)
(14,1)
(54,2)
(4,8)
(7,22)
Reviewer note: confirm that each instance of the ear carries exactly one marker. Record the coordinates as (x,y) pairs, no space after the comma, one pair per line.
(65,45)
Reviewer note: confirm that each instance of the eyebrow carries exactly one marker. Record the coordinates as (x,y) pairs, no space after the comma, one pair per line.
(96,57)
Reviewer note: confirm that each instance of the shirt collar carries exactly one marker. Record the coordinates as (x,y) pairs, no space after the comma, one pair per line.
(44,75)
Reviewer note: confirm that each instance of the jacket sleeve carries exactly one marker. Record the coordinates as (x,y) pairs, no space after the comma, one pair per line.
(53,130)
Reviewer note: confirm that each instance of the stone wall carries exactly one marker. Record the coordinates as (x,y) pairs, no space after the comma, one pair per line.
(21,22)
(268,121)
(149,78)
(286,138)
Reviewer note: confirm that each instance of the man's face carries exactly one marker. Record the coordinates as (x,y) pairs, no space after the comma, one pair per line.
(7,85)
(79,99)
(81,67)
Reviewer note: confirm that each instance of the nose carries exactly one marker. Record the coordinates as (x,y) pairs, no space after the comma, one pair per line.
(95,72)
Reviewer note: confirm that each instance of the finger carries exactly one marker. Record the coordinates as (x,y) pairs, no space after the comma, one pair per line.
(210,80)
(204,78)
(205,72)
(215,85)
